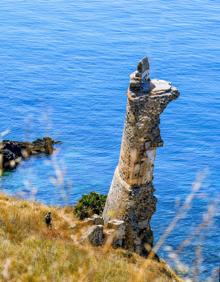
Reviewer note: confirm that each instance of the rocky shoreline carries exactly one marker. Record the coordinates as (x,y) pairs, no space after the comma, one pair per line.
(13,152)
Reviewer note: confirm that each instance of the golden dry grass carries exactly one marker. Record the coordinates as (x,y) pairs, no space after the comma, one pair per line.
(29,251)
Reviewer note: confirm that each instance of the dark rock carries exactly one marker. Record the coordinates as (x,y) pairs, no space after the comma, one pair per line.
(12,152)
(118,235)
(8,158)
(13,147)
(95,235)
(97,220)
(143,65)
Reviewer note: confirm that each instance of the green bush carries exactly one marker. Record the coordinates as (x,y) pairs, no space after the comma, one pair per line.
(89,204)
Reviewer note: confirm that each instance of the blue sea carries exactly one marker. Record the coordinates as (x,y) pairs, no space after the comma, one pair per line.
(64,72)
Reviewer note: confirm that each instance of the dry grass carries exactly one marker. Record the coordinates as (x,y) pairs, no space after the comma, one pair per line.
(29,251)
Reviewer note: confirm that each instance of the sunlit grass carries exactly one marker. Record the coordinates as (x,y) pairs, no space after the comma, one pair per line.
(29,251)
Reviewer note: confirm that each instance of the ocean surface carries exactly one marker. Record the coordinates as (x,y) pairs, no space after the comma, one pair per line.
(64,72)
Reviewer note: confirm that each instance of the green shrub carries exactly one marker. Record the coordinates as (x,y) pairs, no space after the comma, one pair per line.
(89,204)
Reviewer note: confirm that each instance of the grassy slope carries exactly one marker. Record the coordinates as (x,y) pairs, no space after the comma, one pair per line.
(29,251)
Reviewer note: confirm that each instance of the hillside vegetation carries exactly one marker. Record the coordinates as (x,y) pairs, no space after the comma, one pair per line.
(29,251)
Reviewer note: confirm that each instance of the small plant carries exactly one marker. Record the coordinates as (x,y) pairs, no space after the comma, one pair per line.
(89,204)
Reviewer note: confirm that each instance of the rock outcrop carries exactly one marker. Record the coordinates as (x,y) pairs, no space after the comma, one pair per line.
(131,196)
(95,235)
(13,152)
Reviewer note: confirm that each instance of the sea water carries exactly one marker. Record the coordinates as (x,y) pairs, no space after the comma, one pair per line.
(64,72)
